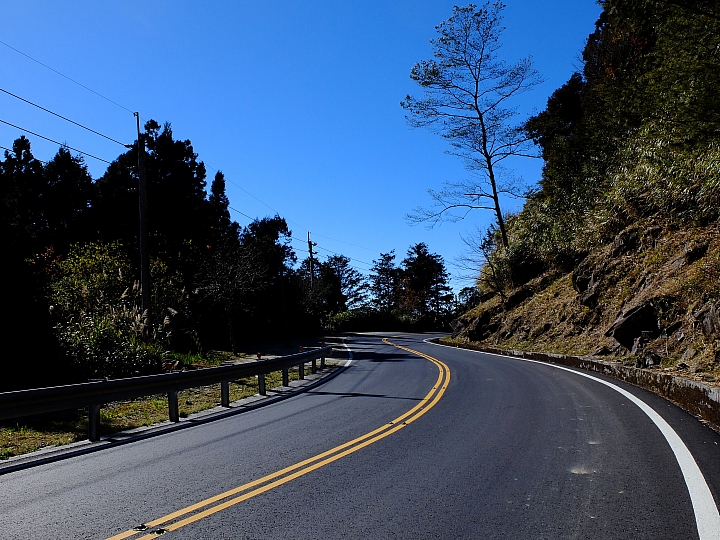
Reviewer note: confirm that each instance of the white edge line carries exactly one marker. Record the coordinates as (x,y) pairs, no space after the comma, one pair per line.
(707,517)
(350,359)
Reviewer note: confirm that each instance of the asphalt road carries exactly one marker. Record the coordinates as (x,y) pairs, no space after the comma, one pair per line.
(453,445)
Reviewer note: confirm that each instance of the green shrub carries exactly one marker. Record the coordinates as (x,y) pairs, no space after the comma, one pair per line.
(109,344)
(96,306)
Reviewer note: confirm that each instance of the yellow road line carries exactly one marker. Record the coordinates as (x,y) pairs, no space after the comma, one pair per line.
(303,467)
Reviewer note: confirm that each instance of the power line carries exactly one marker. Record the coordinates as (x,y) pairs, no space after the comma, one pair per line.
(241,213)
(256,198)
(348,243)
(68,78)
(291,221)
(261,201)
(13,151)
(336,253)
(53,141)
(61,116)
(303,241)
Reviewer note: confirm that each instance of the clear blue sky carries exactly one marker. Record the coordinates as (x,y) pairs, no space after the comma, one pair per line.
(296,102)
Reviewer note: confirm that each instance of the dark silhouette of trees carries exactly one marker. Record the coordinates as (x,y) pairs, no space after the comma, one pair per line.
(273,305)
(352,286)
(467,90)
(66,201)
(384,282)
(21,189)
(425,294)
(73,261)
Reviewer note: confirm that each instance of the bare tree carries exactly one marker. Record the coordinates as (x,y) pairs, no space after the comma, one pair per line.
(466,93)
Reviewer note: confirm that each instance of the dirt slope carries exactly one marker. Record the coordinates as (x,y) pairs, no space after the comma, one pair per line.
(650,298)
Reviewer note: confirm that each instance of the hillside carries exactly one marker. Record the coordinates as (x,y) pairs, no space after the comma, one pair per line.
(616,252)
(647,298)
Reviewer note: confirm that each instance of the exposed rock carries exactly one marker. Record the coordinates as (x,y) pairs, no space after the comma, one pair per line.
(709,318)
(695,251)
(632,323)
(585,283)
(518,296)
(625,241)
(638,345)
(651,234)
(583,275)
(688,354)
(691,253)
(647,359)
(474,328)
(540,330)
(589,297)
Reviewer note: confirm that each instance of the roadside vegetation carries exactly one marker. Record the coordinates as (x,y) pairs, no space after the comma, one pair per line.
(615,252)
(72,259)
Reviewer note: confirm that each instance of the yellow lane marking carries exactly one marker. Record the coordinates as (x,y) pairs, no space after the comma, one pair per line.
(301,468)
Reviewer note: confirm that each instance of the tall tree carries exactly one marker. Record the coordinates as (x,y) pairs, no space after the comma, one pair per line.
(384,281)
(467,90)
(352,282)
(268,240)
(425,292)
(21,192)
(223,228)
(68,192)
(179,216)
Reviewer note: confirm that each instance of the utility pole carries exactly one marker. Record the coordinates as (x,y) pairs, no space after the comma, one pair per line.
(312,270)
(144,257)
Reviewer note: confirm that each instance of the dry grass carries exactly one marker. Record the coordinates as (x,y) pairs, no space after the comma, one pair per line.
(554,321)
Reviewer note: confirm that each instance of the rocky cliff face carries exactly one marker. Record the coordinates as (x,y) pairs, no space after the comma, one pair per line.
(651,297)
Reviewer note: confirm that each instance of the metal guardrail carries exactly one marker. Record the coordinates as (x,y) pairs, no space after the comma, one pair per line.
(94,394)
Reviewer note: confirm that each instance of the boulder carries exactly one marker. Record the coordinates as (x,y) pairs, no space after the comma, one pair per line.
(632,323)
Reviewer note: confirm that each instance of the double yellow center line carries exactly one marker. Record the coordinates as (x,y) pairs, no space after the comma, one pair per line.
(217,503)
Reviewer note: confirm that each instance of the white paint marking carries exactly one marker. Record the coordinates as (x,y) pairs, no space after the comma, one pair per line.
(350,354)
(707,517)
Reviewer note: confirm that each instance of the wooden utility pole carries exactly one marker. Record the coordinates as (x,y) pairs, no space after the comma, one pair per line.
(312,262)
(144,257)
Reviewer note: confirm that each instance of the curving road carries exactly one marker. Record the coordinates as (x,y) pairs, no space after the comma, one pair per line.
(446,443)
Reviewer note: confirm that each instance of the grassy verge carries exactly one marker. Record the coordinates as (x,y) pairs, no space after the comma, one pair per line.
(34,433)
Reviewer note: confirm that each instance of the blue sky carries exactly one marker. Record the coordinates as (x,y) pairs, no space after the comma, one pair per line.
(296,102)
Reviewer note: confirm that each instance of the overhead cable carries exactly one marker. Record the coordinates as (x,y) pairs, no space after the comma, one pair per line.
(239,212)
(61,116)
(56,142)
(348,243)
(336,253)
(63,75)
(13,151)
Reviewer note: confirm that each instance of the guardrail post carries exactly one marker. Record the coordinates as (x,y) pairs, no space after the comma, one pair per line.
(313,368)
(94,422)
(261,384)
(173,409)
(286,377)
(322,362)
(301,371)
(225,393)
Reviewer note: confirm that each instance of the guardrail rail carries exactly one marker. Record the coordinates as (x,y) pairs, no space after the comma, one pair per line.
(96,393)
